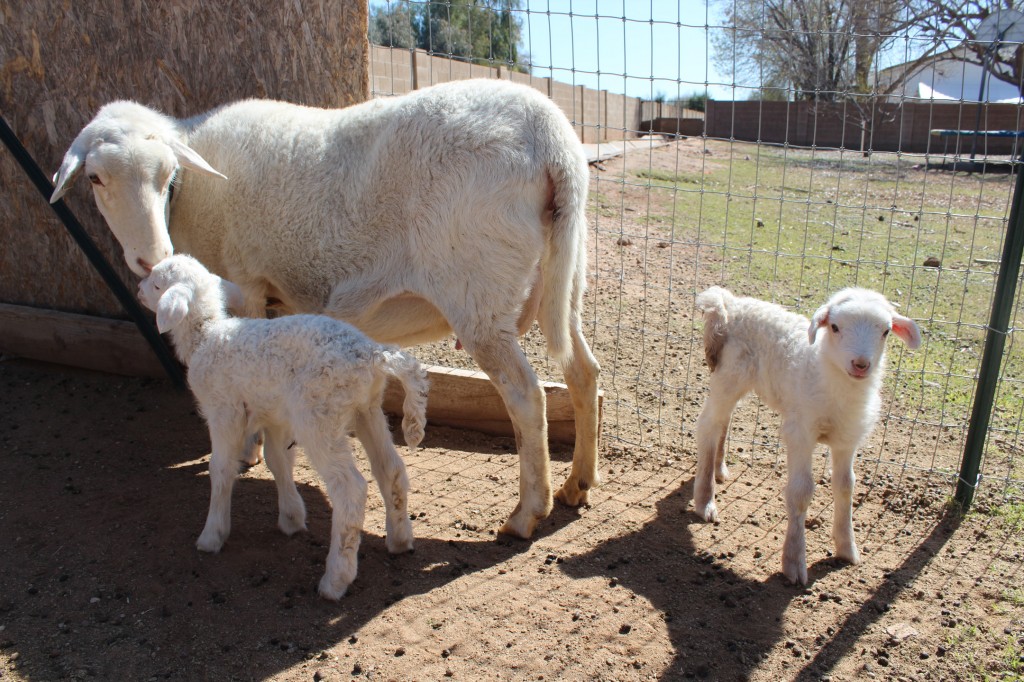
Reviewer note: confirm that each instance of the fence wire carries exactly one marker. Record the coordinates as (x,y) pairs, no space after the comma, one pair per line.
(788,198)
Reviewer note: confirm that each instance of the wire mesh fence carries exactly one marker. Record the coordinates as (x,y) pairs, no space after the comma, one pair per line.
(779,189)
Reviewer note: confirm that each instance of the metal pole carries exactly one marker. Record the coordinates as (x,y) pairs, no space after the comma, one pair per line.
(99,262)
(995,339)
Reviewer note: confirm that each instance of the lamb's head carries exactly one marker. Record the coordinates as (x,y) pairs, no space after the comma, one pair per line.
(130,154)
(857,323)
(171,287)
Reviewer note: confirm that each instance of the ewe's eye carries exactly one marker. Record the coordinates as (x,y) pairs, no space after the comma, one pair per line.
(885,333)
(95,179)
(835,328)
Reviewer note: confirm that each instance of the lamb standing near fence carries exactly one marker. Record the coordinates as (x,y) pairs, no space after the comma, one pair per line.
(825,387)
(456,207)
(306,377)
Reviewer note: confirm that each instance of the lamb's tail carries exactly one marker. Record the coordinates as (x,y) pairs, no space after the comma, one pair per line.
(713,303)
(413,378)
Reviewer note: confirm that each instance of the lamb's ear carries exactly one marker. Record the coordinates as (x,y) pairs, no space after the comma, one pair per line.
(173,307)
(190,158)
(819,320)
(70,169)
(906,329)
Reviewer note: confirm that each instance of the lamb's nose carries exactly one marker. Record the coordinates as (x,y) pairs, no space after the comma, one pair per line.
(861,364)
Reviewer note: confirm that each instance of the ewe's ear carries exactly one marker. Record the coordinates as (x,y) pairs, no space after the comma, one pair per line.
(819,320)
(233,296)
(173,307)
(906,329)
(189,158)
(70,169)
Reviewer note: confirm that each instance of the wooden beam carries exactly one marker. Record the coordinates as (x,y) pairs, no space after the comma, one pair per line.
(467,399)
(458,397)
(97,343)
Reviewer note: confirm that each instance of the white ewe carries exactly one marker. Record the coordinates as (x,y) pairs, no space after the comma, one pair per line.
(456,207)
(824,386)
(306,377)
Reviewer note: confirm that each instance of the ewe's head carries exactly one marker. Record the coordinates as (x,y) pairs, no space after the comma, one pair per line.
(856,323)
(130,153)
(171,287)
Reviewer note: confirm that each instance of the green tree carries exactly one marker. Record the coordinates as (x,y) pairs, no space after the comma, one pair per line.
(482,31)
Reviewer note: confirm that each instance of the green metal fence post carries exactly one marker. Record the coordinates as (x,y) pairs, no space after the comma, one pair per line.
(995,339)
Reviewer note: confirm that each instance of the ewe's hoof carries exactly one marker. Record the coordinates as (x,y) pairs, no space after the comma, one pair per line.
(209,542)
(571,495)
(722,474)
(849,554)
(400,541)
(290,525)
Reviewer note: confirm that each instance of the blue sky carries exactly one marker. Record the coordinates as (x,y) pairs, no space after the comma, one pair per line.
(641,48)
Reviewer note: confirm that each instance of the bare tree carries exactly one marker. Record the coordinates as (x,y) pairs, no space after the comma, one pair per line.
(822,50)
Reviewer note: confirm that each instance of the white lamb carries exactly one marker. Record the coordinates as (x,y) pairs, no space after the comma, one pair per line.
(824,386)
(459,207)
(303,377)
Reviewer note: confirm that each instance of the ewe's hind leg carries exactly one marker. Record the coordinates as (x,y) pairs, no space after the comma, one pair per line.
(227,436)
(291,512)
(388,468)
(581,378)
(712,427)
(799,490)
(843,480)
(346,488)
(500,356)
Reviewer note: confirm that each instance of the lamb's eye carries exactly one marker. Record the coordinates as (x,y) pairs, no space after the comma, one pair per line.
(885,333)
(95,179)
(156,287)
(835,328)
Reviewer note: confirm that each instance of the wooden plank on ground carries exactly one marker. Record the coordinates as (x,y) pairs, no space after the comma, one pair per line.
(467,399)
(459,398)
(97,343)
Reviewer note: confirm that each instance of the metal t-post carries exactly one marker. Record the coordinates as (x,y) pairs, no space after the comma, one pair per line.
(995,339)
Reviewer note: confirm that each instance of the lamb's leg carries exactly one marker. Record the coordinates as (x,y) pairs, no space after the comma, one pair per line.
(371,428)
(500,356)
(581,378)
(346,488)
(228,438)
(799,490)
(291,512)
(843,480)
(712,428)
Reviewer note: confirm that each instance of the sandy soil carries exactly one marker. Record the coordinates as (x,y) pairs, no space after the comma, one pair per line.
(105,490)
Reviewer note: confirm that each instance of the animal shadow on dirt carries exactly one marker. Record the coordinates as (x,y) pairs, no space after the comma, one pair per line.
(103,497)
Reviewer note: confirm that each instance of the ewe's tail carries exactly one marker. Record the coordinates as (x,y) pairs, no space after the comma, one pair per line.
(564,263)
(713,304)
(413,378)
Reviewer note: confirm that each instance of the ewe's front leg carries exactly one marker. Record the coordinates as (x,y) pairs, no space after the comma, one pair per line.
(843,480)
(504,362)
(291,514)
(799,490)
(227,443)
(581,378)
(371,428)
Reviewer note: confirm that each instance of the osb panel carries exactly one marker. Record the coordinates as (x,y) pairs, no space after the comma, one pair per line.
(60,60)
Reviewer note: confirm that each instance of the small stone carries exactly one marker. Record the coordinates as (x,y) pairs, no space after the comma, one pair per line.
(400,651)
(624,241)
(625,629)
(932,262)
(317,676)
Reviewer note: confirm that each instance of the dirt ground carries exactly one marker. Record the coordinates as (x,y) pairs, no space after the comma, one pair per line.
(105,490)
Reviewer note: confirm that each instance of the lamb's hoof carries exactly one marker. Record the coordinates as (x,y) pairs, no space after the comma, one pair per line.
(722,474)
(290,525)
(400,541)
(795,570)
(330,591)
(210,542)
(573,494)
(708,512)
(848,554)
(253,452)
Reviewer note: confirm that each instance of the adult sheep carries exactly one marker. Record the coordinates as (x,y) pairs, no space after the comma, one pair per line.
(459,207)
